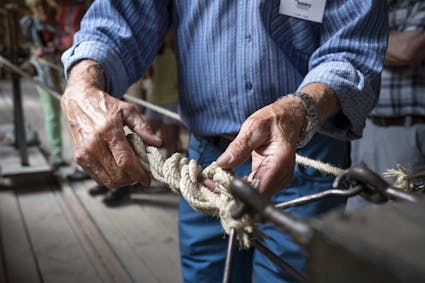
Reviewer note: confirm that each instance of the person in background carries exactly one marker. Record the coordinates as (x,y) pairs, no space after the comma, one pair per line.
(139,90)
(258,83)
(68,16)
(165,94)
(41,33)
(395,130)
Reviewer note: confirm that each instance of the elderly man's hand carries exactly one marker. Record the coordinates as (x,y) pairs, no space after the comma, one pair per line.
(96,120)
(270,136)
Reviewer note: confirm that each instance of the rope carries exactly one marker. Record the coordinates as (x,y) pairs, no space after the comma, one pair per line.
(402,181)
(185,177)
(319,165)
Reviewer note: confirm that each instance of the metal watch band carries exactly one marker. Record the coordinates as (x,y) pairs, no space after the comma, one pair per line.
(311,117)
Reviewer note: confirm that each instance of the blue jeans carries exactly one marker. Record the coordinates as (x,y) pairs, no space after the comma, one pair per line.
(203,243)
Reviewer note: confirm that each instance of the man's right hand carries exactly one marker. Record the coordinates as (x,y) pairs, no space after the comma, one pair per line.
(95,121)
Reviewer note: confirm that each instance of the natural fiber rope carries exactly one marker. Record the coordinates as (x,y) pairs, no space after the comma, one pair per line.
(319,165)
(184,177)
(401,180)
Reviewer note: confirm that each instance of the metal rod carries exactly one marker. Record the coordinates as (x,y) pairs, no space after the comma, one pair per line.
(365,175)
(14,68)
(416,175)
(399,195)
(278,261)
(18,114)
(19,124)
(243,191)
(315,197)
(228,267)
(154,107)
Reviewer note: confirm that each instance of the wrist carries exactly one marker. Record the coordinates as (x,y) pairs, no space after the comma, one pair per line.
(307,113)
(87,74)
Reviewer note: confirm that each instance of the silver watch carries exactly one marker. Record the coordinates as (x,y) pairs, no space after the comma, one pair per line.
(310,127)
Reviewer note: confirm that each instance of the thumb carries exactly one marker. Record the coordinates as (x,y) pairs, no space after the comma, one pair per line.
(134,121)
(239,150)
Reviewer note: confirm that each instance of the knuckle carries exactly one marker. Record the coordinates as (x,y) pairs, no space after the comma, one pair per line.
(103,127)
(127,107)
(81,156)
(240,144)
(124,162)
(251,123)
(258,124)
(118,177)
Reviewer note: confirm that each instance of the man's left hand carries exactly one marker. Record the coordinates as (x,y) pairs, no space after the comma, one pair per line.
(270,137)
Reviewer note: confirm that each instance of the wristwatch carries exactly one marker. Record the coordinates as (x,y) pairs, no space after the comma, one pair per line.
(311,118)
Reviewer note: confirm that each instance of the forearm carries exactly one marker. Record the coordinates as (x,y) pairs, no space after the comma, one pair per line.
(405,49)
(114,44)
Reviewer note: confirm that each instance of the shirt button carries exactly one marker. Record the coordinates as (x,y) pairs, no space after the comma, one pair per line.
(248,85)
(248,37)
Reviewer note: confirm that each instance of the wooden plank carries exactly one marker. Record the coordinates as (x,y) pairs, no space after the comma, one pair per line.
(20,263)
(2,264)
(59,253)
(11,167)
(92,256)
(161,205)
(141,239)
(116,238)
(116,271)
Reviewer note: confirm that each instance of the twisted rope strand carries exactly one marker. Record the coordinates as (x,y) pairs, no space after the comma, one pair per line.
(184,177)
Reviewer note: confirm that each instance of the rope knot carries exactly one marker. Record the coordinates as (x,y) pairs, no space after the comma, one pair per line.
(185,177)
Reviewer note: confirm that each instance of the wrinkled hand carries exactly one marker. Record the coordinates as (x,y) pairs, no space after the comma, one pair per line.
(96,120)
(269,136)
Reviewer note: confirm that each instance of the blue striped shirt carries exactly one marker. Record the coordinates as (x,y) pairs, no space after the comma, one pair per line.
(235,57)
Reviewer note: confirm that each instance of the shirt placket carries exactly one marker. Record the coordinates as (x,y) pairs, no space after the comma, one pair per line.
(244,64)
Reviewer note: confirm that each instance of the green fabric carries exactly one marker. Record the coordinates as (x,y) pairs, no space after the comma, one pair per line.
(164,81)
(52,121)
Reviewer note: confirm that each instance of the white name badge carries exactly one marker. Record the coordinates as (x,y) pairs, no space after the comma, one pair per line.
(311,10)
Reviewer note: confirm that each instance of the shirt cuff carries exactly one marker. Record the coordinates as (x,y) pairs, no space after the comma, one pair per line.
(354,93)
(113,68)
